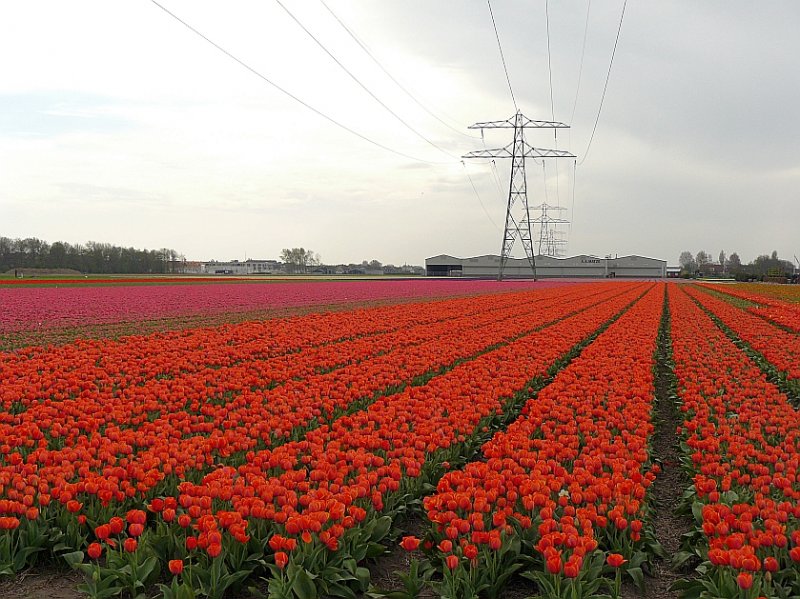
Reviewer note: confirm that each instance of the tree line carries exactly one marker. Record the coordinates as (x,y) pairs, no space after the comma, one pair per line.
(91,258)
(765,265)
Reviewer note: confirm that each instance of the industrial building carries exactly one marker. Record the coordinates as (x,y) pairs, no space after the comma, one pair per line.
(547,267)
(248,267)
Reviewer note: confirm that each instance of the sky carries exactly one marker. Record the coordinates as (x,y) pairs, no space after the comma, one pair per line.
(119,124)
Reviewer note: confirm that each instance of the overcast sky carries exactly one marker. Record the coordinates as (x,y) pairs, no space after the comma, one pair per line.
(119,124)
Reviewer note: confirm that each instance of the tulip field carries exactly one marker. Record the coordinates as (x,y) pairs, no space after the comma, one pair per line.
(486,439)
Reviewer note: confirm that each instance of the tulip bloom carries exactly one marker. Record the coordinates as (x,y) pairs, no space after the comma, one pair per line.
(615,560)
(744,580)
(410,543)
(94,550)
(175,566)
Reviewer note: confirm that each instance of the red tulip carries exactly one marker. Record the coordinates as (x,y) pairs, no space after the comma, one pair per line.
(744,580)
(175,566)
(615,560)
(410,543)
(94,550)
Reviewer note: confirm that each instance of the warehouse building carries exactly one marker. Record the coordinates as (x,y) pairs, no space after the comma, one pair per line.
(547,267)
(248,267)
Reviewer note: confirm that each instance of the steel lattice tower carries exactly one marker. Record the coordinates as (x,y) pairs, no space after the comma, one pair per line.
(518,151)
(549,239)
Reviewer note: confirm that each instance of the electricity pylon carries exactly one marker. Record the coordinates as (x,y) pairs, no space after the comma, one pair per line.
(518,150)
(549,240)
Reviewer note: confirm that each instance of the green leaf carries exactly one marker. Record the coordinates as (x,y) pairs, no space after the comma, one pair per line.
(109,592)
(254,592)
(340,591)
(730,497)
(638,577)
(147,569)
(394,595)
(362,574)
(350,565)
(637,559)
(697,511)
(680,558)
(375,550)
(73,559)
(303,586)
(382,526)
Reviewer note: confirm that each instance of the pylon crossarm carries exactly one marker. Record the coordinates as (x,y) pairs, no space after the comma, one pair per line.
(496,153)
(524,122)
(531,152)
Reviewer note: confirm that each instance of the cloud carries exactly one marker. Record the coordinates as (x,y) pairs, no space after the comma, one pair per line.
(153,138)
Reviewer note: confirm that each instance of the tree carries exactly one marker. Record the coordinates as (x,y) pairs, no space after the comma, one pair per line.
(93,257)
(298,260)
(734,263)
(722,259)
(687,263)
(703,261)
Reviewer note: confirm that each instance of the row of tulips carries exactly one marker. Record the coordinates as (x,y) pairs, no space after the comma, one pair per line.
(121,383)
(786,293)
(779,348)
(741,444)
(44,308)
(190,433)
(564,483)
(782,312)
(60,492)
(311,510)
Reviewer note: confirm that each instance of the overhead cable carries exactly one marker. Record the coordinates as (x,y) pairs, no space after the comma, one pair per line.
(389,75)
(580,68)
(291,95)
(477,195)
(360,84)
(549,65)
(605,86)
(572,210)
(502,57)
(552,103)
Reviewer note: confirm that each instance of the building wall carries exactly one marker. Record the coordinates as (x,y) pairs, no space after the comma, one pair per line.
(248,267)
(546,266)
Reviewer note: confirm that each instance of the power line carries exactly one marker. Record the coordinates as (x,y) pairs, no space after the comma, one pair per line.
(580,68)
(605,86)
(497,179)
(477,195)
(544,178)
(358,81)
(552,103)
(549,66)
(289,94)
(572,210)
(389,75)
(493,169)
(502,57)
